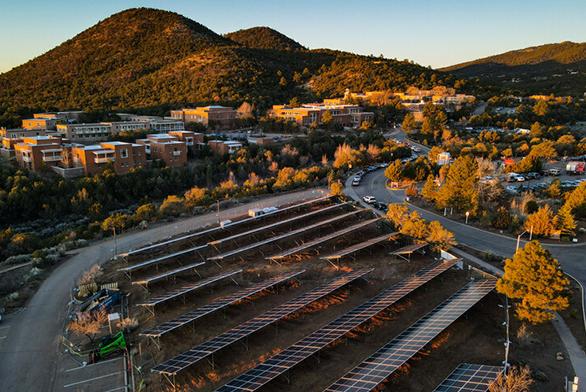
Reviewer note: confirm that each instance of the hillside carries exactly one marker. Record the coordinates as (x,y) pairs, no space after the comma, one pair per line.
(153,60)
(553,68)
(264,38)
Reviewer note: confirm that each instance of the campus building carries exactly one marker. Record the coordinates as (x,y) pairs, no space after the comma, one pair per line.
(307,114)
(165,147)
(38,152)
(121,156)
(212,116)
(39,123)
(85,133)
(223,147)
(166,125)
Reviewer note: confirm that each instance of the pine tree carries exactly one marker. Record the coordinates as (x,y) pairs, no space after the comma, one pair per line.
(534,278)
(460,189)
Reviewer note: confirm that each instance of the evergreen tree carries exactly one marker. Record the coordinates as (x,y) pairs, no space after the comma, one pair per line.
(460,189)
(534,278)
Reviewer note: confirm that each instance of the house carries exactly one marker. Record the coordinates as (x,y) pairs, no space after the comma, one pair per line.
(444,158)
(215,116)
(224,147)
(165,147)
(37,152)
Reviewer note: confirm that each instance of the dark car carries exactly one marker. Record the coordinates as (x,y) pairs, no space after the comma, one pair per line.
(532,175)
(380,206)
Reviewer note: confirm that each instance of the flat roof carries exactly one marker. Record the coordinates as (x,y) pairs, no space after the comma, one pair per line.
(117,143)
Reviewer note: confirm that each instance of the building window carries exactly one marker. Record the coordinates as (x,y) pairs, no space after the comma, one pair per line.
(124,153)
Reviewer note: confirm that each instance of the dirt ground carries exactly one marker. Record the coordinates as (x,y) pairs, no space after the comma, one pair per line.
(477,337)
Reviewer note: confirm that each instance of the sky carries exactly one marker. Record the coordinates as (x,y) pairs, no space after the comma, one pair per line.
(430,32)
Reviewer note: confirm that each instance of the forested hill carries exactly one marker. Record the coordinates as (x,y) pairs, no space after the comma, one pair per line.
(154,60)
(553,68)
(264,38)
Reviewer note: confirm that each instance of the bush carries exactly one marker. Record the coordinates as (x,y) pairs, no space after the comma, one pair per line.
(172,206)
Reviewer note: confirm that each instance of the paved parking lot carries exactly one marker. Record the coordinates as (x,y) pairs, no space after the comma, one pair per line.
(105,376)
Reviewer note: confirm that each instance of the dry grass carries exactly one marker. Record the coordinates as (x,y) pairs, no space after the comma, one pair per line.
(518,379)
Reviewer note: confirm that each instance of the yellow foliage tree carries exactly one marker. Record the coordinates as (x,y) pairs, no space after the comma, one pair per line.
(534,278)
(195,196)
(439,237)
(336,188)
(541,222)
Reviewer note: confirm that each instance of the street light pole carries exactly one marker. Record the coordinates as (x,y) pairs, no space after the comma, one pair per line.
(467,215)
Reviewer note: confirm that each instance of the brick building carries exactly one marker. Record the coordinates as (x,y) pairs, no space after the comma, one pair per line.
(165,147)
(85,133)
(212,116)
(38,152)
(223,147)
(121,156)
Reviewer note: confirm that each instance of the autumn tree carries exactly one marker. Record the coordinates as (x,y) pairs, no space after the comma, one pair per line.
(145,212)
(115,223)
(345,156)
(195,196)
(172,206)
(88,324)
(517,379)
(397,213)
(439,236)
(565,221)
(414,226)
(541,222)
(409,124)
(394,171)
(429,190)
(534,278)
(336,188)
(460,189)
(576,201)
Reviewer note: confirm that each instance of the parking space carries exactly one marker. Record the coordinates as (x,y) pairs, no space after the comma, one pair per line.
(105,376)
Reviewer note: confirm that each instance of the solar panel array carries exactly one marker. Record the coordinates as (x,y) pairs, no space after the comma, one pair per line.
(277,224)
(469,377)
(356,247)
(204,350)
(167,274)
(282,236)
(316,341)
(320,240)
(218,228)
(160,260)
(409,248)
(187,288)
(375,369)
(216,305)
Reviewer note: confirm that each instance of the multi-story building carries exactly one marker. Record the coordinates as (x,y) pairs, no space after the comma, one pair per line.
(127,126)
(120,155)
(72,115)
(85,132)
(193,140)
(11,137)
(212,116)
(38,152)
(166,148)
(305,115)
(166,125)
(39,123)
(223,147)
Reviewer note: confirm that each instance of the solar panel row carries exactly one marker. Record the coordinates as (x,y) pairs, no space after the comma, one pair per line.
(204,350)
(359,246)
(311,344)
(469,377)
(282,236)
(216,305)
(167,274)
(161,259)
(375,369)
(320,240)
(187,288)
(218,228)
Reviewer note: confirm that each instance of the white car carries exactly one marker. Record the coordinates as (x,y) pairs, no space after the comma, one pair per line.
(369,199)
(520,179)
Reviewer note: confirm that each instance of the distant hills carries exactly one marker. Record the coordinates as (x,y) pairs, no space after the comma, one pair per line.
(264,38)
(153,60)
(553,68)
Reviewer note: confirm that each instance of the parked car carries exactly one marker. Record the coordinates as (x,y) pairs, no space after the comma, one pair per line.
(359,173)
(380,206)
(369,199)
(532,175)
(520,178)
(554,172)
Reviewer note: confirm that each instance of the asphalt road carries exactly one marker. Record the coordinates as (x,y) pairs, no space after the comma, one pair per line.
(30,347)
(571,256)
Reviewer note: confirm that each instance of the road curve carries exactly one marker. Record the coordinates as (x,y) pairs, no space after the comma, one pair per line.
(29,352)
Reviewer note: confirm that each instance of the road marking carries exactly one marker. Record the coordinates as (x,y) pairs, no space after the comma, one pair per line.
(93,364)
(91,379)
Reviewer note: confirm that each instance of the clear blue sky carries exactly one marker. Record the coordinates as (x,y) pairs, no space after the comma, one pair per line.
(430,32)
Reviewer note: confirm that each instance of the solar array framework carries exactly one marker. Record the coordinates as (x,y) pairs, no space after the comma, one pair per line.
(375,369)
(257,377)
(357,247)
(167,274)
(218,228)
(187,288)
(320,240)
(208,348)
(469,377)
(283,236)
(220,303)
(160,259)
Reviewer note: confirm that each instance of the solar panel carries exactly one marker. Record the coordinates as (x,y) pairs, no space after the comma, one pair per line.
(208,348)
(161,259)
(276,224)
(469,377)
(282,236)
(187,288)
(216,305)
(317,241)
(375,369)
(316,341)
(167,274)
(217,228)
(357,247)
(409,249)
